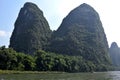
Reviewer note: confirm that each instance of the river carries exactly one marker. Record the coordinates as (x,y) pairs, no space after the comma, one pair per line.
(111,75)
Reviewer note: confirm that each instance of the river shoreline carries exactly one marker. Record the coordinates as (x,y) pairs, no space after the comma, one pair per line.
(24,72)
(35,75)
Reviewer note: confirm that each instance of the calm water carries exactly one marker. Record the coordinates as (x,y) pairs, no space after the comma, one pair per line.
(115,75)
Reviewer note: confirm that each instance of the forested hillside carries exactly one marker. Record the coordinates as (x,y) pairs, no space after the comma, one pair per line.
(46,61)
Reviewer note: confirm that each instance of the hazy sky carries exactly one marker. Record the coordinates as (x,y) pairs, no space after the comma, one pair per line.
(56,10)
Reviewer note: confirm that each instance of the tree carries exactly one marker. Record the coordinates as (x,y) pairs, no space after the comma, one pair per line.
(29,62)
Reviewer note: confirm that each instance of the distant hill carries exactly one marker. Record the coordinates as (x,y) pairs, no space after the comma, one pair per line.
(32,31)
(115,54)
(81,33)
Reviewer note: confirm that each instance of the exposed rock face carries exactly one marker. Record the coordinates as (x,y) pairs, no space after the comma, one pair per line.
(81,33)
(31,30)
(115,54)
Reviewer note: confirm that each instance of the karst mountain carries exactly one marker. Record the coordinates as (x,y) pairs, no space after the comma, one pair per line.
(115,54)
(80,34)
(31,31)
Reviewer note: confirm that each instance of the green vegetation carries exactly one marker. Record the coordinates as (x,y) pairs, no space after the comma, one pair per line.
(24,72)
(46,61)
(11,60)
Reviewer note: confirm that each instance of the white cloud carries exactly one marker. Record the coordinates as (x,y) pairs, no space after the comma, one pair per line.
(4,33)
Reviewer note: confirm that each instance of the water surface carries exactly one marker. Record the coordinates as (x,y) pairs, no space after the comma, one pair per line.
(113,75)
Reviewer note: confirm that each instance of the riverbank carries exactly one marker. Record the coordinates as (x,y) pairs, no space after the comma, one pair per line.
(23,72)
(110,75)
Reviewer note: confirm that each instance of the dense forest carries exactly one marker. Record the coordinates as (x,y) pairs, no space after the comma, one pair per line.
(46,61)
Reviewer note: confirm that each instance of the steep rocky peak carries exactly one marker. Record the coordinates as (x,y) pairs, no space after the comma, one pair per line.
(84,9)
(114,52)
(85,5)
(114,45)
(29,5)
(31,31)
(29,10)
(81,33)
(84,15)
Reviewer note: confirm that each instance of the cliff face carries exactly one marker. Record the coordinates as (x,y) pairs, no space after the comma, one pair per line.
(31,30)
(81,33)
(115,54)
